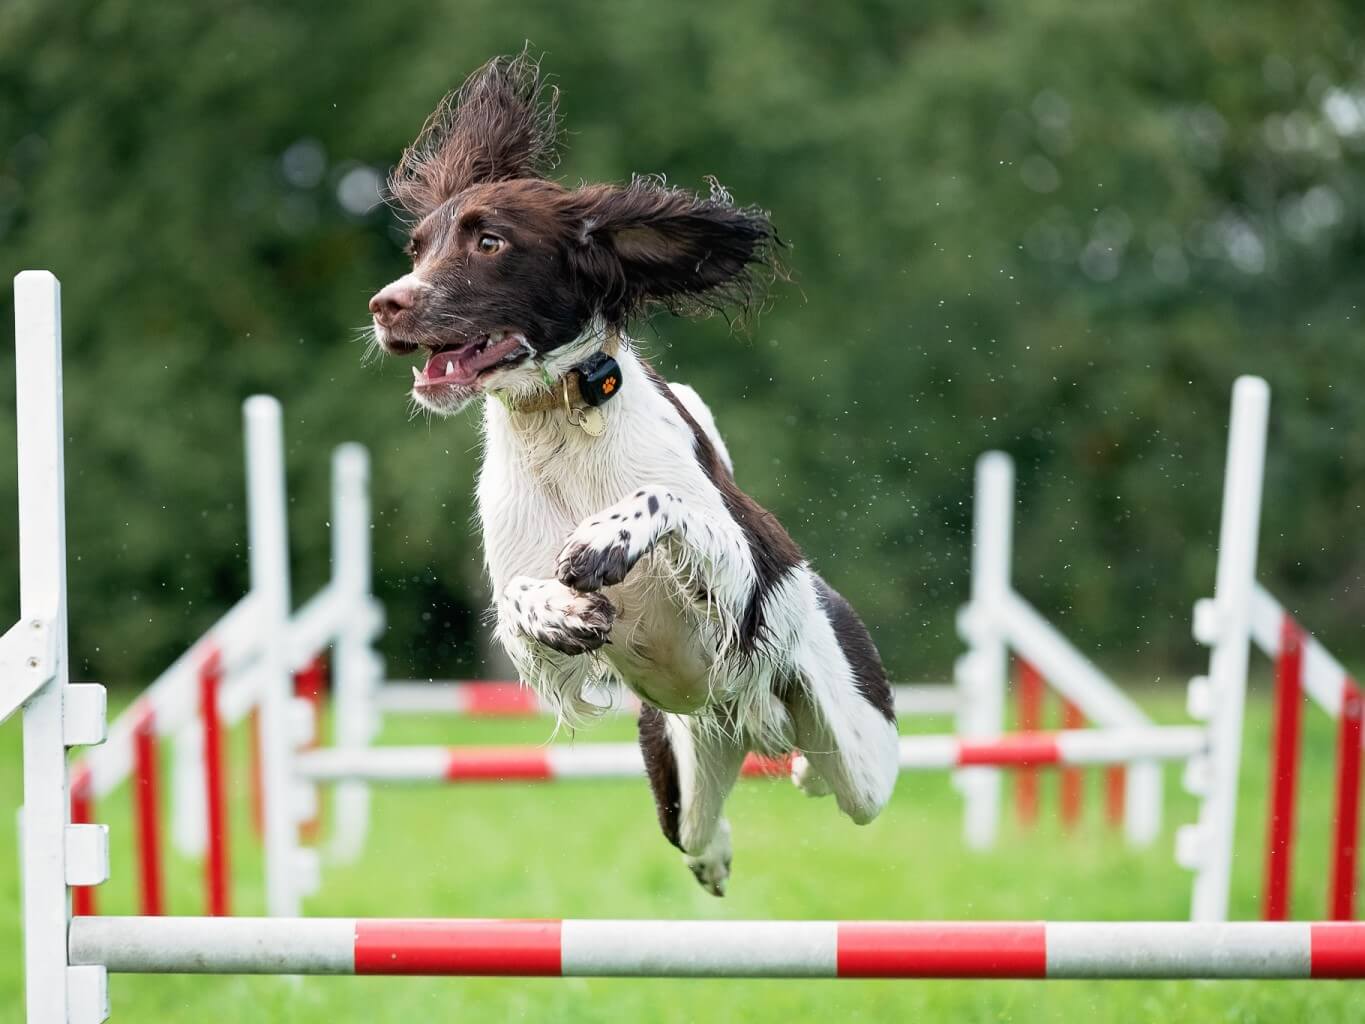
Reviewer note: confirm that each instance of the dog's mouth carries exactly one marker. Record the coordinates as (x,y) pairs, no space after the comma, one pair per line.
(461,365)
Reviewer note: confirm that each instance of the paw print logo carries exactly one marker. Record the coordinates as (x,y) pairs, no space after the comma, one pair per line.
(609,385)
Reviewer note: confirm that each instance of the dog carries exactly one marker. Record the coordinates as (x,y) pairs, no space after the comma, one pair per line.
(618,544)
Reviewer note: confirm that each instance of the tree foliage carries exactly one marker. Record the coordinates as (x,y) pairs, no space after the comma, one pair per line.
(1057,228)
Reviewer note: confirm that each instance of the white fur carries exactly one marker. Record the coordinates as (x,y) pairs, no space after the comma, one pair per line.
(548,492)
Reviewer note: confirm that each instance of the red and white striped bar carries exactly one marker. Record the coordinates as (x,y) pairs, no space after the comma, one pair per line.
(623,760)
(489,699)
(719,949)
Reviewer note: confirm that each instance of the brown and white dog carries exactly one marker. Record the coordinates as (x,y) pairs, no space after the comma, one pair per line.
(618,543)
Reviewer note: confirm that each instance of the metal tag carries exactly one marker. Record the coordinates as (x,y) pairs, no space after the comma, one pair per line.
(592,421)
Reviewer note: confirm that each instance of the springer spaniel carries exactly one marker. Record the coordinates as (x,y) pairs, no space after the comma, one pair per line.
(617,540)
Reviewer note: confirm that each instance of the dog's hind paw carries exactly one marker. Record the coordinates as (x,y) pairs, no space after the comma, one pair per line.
(712,868)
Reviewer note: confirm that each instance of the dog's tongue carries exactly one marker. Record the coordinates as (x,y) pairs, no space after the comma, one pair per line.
(463,366)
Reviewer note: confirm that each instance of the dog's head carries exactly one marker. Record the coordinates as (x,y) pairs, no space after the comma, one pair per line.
(509,267)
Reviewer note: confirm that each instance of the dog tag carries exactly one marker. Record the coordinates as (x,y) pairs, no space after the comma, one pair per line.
(592,421)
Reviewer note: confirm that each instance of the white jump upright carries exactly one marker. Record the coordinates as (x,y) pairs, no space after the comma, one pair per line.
(357,668)
(291,871)
(997,620)
(34,675)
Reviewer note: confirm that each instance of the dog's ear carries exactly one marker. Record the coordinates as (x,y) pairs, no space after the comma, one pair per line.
(648,243)
(500,125)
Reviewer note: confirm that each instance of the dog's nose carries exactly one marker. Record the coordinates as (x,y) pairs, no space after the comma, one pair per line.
(391,300)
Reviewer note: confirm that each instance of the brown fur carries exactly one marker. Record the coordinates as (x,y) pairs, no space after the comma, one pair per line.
(570,255)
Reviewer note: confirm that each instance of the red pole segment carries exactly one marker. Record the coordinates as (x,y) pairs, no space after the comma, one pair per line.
(895,949)
(499,700)
(489,948)
(1030,720)
(1284,767)
(310,683)
(82,813)
(216,879)
(1072,718)
(1115,787)
(1342,898)
(145,806)
(497,764)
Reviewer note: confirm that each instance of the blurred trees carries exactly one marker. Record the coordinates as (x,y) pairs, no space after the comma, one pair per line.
(1058,228)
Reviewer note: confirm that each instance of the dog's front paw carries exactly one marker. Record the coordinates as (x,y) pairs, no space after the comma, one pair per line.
(604,548)
(561,619)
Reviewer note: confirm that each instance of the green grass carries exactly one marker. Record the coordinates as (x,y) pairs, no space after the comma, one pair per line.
(592,850)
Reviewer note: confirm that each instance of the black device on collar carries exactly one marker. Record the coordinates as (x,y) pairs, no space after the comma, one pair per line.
(599,378)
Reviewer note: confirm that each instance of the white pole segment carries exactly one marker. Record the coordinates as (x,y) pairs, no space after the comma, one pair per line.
(55,993)
(269,556)
(1178,950)
(981,673)
(357,668)
(216,945)
(1133,744)
(700,949)
(1209,847)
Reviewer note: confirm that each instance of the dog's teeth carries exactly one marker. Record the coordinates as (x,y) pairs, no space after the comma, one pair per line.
(416,373)
(450,367)
(495,337)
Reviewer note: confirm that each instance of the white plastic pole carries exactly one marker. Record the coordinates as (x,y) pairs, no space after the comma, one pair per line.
(357,668)
(268,532)
(55,853)
(981,673)
(1225,624)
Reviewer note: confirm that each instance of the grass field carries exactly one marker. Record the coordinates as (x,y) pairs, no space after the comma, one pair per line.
(592,850)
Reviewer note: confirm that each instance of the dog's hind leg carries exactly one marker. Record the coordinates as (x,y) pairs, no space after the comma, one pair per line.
(842,708)
(692,765)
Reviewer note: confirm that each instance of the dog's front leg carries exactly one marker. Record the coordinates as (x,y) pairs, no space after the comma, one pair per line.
(604,547)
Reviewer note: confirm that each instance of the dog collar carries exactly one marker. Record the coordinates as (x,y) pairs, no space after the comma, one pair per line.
(582,390)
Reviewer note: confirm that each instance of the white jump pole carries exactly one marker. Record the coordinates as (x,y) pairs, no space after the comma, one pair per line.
(981,674)
(721,949)
(33,657)
(290,870)
(1224,623)
(357,669)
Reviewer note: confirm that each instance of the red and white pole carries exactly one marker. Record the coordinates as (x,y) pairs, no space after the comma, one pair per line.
(216,865)
(146,806)
(623,760)
(1284,767)
(1342,897)
(720,949)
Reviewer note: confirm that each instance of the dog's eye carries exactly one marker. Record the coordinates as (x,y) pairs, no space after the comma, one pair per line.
(489,244)
(414,248)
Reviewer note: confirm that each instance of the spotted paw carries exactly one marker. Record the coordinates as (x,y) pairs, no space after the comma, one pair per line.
(561,619)
(603,549)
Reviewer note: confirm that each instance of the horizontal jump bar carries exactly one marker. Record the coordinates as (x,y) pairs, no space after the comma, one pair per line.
(719,949)
(489,699)
(623,760)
